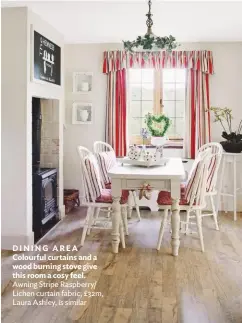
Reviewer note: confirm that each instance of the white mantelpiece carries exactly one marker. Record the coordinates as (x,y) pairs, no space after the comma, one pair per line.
(17,93)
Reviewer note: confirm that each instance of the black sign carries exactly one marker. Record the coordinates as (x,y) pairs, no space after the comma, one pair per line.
(47,60)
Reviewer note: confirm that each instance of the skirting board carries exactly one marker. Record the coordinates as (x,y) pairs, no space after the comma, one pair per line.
(9,241)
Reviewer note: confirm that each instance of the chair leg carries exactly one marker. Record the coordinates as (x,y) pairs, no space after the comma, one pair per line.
(96,214)
(136,205)
(121,231)
(199,227)
(187,221)
(215,214)
(91,220)
(109,212)
(124,220)
(162,229)
(130,205)
(85,227)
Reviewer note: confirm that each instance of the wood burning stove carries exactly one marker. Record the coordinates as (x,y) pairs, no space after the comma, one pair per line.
(45,207)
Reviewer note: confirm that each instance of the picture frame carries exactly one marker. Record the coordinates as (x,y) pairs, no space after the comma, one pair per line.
(45,60)
(82,113)
(82,82)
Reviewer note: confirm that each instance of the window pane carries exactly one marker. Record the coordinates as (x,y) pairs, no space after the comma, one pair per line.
(147,92)
(180,91)
(169,108)
(180,75)
(134,75)
(169,91)
(135,108)
(135,92)
(147,106)
(168,75)
(171,129)
(180,109)
(134,126)
(148,75)
(180,127)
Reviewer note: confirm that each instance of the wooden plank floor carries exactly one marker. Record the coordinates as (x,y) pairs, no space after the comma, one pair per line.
(141,285)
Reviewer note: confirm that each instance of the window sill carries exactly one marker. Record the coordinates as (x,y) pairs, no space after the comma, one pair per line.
(169,145)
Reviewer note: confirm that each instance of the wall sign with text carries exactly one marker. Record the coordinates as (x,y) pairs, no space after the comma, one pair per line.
(47,60)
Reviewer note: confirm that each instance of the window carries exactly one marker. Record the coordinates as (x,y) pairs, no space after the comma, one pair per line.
(156,92)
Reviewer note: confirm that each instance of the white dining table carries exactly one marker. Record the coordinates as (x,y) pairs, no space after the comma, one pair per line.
(130,177)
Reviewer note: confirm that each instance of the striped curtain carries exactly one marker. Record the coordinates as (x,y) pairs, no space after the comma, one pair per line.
(116,110)
(199,65)
(197,115)
(198,60)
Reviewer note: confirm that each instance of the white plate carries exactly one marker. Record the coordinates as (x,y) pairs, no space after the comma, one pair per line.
(127,160)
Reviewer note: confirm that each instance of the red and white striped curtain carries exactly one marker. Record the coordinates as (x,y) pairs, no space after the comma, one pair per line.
(116,111)
(199,65)
(197,114)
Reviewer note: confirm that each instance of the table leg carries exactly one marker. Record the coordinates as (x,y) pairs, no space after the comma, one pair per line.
(130,204)
(235,189)
(175,225)
(116,218)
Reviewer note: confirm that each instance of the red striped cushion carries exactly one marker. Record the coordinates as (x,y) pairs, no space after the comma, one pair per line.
(108,186)
(191,179)
(211,173)
(93,175)
(106,161)
(106,197)
(164,198)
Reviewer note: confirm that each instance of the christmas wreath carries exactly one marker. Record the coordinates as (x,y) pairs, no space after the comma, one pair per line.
(163,124)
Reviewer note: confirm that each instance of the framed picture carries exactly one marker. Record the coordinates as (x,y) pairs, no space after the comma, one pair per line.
(82,113)
(46,59)
(82,82)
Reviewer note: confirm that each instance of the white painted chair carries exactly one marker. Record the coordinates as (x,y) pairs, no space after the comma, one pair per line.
(193,199)
(211,190)
(96,197)
(106,159)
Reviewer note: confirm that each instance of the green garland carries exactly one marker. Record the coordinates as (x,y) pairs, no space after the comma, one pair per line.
(150,42)
(155,131)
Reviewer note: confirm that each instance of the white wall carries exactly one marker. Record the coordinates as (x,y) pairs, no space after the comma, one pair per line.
(46,90)
(86,58)
(225,90)
(225,84)
(14,123)
(17,93)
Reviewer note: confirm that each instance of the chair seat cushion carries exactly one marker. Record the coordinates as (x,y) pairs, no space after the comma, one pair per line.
(106,196)
(164,198)
(108,186)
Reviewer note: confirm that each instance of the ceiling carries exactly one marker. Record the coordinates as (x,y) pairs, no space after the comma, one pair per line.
(113,20)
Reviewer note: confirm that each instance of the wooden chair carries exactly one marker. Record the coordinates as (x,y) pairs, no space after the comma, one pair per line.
(211,190)
(106,159)
(96,197)
(193,199)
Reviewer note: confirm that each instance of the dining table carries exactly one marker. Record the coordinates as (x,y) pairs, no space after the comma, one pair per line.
(162,178)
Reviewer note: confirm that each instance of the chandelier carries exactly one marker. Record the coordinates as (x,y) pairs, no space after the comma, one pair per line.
(150,42)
